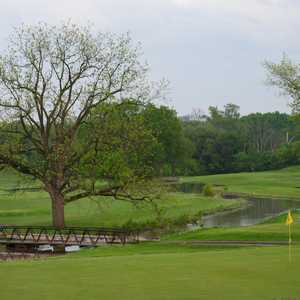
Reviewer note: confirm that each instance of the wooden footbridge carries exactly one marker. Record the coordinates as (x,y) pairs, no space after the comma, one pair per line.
(34,236)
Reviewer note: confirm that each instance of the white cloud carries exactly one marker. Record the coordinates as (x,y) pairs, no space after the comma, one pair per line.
(261,19)
(279,14)
(209,49)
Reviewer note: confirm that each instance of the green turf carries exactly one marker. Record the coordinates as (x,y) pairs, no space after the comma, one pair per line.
(242,273)
(33,208)
(280,183)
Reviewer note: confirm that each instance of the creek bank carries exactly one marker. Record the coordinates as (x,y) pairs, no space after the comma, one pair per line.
(248,196)
(254,209)
(7,256)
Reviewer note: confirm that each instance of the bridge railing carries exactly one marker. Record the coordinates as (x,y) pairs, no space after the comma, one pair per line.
(81,236)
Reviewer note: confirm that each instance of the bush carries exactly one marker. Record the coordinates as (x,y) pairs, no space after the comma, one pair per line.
(208,191)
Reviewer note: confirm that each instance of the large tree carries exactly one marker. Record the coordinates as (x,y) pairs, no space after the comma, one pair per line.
(51,79)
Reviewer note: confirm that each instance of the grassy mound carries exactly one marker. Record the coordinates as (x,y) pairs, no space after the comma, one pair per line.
(281,183)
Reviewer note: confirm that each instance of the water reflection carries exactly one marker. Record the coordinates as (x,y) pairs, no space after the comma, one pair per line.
(257,211)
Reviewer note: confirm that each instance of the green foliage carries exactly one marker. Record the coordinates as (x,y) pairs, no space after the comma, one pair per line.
(208,190)
(288,155)
(216,141)
(134,140)
(253,162)
(124,148)
(174,149)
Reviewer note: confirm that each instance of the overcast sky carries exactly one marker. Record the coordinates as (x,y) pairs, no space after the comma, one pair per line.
(211,51)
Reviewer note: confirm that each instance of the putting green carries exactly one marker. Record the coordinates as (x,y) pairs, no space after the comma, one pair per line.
(243,273)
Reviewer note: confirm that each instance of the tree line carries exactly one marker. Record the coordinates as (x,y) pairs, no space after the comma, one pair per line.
(134,140)
(156,142)
(225,142)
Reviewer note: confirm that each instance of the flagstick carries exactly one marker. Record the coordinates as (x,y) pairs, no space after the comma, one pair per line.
(290,244)
(288,222)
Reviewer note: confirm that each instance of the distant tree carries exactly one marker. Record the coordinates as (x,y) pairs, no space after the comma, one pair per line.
(227,119)
(288,155)
(51,80)
(232,111)
(266,131)
(196,115)
(214,149)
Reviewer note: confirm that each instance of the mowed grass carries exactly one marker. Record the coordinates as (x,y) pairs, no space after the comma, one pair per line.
(279,183)
(34,207)
(129,273)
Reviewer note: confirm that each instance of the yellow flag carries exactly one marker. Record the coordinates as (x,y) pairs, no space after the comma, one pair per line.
(289,219)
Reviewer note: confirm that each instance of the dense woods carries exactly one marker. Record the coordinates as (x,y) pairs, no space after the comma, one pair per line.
(165,144)
(226,142)
(221,142)
(133,141)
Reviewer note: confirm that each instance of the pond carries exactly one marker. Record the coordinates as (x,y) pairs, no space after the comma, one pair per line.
(255,212)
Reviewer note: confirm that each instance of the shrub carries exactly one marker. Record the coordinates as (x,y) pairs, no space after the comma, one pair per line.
(208,190)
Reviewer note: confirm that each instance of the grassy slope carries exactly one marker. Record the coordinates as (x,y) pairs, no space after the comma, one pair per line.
(34,207)
(280,183)
(198,273)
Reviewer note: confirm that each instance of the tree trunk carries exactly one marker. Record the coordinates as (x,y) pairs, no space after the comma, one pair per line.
(58,208)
